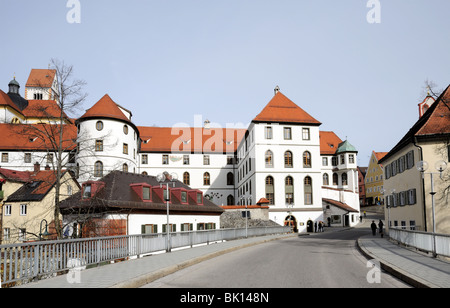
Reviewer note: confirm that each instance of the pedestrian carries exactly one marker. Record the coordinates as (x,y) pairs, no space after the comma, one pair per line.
(374,228)
(320,226)
(365,214)
(315,227)
(380,226)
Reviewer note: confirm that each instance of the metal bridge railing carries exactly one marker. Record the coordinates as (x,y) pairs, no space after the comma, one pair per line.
(29,261)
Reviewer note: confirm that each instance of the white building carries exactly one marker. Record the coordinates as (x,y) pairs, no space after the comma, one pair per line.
(282,156)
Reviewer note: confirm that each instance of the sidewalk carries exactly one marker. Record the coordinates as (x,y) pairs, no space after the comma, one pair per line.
(138,272)
(415,268)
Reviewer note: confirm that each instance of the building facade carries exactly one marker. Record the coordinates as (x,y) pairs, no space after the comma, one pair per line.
(374,179)
(282,156)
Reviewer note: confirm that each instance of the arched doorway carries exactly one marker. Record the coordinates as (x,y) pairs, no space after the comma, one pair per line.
(292,222)
(310,226)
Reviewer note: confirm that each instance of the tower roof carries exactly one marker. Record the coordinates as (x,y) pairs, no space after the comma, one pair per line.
(105,108)
(345,147)
(281,109)
(41,78)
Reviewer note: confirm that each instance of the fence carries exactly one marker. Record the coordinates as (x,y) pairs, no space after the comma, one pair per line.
(438,244)
(36,260)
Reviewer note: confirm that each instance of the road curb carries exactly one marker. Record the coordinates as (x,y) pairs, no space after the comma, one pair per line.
(401,274)
(150,277)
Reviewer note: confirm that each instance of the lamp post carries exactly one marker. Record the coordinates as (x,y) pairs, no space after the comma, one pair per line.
(440,166)
(46,230)
(163,177)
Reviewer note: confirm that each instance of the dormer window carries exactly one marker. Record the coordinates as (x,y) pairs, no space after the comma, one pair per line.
(143,190)
(87,191)
(146,193)
(184,196)
(199,198)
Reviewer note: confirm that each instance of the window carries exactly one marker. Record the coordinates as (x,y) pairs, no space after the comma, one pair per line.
(125,148)
(4,157)
(22,234)
(270,189)
(269,159)
(344,178)
(98,169)
(335,179)
(145,193)
(125,129)
(185,159)
(325,179)
(125,168)
(230,200)
(289,190)
(288,159)
(206,160)
(149,229)
(144,159)
(306,159)
(342,159)
(27,158)
(308,190)
(230,160)
(334,161)
(87,191)
(305,134)
(324,161)
(411,195)
(7,209)
(268,132)
(99,125)
(412,225)
(6,234)
(230,178)
(186,178)
(69,190)
(98,145)
(206,179)
(199,198)
(287,133)
(49,158)
(184,197)
(351,158)
(23,209)
(165,159)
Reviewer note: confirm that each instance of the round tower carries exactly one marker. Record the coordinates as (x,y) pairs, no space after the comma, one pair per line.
(107,140)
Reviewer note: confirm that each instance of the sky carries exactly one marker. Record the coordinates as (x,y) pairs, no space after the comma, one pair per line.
(357,66)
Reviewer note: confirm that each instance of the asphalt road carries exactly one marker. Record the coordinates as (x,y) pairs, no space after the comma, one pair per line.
(328,259)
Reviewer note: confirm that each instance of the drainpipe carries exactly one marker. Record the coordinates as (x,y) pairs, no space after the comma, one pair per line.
(423,185)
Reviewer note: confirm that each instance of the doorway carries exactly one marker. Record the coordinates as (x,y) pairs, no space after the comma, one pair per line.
(292,222)
(310,226)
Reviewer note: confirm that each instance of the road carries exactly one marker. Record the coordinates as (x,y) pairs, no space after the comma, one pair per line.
(328,259)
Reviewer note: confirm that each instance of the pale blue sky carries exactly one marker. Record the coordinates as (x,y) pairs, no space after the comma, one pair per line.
(168,61)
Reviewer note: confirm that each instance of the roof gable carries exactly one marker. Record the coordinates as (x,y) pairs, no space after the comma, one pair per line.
(329,143)
(41,78)
(281,109)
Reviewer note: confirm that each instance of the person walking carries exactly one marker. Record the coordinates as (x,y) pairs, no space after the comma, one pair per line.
(374,228)
(380,227)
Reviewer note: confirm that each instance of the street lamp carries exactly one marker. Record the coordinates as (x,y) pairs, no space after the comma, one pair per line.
(440,166)
(46,230)
(163,177)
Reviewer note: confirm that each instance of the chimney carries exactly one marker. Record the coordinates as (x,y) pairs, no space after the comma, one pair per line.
(37,167)
(47,167)
(277,89)
(207,126)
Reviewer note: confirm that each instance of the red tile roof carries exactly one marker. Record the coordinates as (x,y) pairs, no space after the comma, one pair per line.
(105,108)
(438,121)
(190,139)
(43,109)
(41,78)
(281,109)
(379,155)
(341,205)
(36,136)
(329,143)
(5,100)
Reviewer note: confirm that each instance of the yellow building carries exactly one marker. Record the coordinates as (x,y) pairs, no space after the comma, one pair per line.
(374,179)
(29,202)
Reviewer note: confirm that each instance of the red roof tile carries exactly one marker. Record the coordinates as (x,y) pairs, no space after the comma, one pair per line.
(439,120)
(106,108)
(41,78)
(5,100)
(282,110)
(189,139)
(329,143)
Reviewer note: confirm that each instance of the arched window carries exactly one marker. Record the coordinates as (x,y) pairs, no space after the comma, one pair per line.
(230,200)
(270,189)
(269,158)
(230,178)
(344,178)
(289,190)
(335,179)
(98,169)
(206,179)
(308,190)
(288,159)
(306,159)
(125,168)
(326,180)
(186,178)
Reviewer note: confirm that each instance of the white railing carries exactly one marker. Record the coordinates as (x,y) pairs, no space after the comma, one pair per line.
(437,244)
(36,260)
